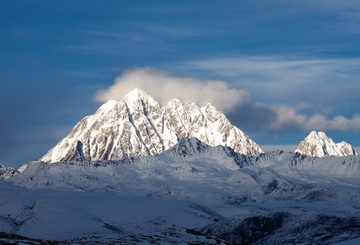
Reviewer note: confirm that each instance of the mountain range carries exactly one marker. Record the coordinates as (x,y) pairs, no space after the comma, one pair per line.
(138,173)
(138,126)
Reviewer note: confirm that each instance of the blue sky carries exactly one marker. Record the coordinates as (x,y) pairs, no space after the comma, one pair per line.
(298,61)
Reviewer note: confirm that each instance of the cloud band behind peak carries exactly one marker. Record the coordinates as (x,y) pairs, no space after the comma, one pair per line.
(164,86)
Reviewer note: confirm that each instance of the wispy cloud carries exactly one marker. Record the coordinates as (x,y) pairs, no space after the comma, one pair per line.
(84,74)
(118,37)
(346,9)
(278,68)
(288,80)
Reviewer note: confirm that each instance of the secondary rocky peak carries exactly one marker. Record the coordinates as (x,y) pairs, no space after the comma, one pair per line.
(7,172)
(138,126)
(189,147)
(347,148)
(318,144)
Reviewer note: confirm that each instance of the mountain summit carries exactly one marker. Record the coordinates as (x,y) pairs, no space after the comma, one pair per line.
(138,126)
(318,144)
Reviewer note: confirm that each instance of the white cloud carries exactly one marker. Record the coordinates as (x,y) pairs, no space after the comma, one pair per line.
(289,118)
(164,86)
(341,123)
(286,118)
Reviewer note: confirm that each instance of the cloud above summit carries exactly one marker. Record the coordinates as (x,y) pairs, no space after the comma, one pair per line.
(236,103)
(164,86)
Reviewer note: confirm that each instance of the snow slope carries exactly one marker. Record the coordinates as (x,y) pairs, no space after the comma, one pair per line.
(191,192)
(138,126)
(196,171)
(87,218)
(190,169)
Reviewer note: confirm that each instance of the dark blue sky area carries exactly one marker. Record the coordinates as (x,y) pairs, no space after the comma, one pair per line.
(300,58)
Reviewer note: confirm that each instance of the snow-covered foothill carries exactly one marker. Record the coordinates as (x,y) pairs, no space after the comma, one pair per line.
(196,171)
(92,218)
(191,192)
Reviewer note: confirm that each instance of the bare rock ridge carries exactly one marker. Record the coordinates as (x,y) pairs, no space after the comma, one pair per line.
(138,126)
(7,172)
(318,144)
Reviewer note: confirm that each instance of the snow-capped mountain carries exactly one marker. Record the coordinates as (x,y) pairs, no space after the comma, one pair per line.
(318,144)
(138,126)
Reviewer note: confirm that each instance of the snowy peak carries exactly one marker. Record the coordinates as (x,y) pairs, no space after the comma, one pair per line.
(318,144)
(137,94)
(138,126)
(140,100)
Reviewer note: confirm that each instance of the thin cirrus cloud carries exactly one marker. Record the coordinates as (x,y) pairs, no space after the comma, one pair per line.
(345,9)
(323,83)
(236,103)
(277,69)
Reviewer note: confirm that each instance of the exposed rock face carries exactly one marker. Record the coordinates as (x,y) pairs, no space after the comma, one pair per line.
(138,126)
(286,228)
(318,144)
(6,172)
